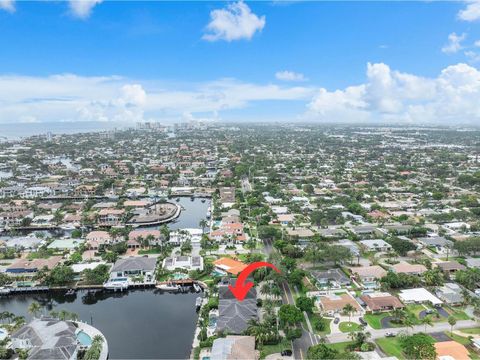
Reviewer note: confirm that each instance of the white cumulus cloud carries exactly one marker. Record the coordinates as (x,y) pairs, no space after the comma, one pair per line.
(471,11)
(7,5)
(453,97)
(234,22)
(454,43)
(82,8)
(290,76)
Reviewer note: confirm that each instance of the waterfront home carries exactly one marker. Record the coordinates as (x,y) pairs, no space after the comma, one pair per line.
(31,241)
(152,237)
(410,269)
(376,245)
(65,244)
(25,266)
(233,315)
(379,302)
(48,339)
(234,348)
(14,218)
(133,267)
(418,295)
(450,293)
(178,237)
(229,266)
(332,303)
(332,278)
(95,239)
(110,217)
(183,263)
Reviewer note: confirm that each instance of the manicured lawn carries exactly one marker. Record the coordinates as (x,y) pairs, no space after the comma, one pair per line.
(326,323)
(460,339)
(458,314)
(375,320)
(391,347)
(464,341)
(273,349)
(340,346)
(348,326)
(475,330)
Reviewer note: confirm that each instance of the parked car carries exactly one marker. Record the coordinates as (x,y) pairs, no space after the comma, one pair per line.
(429,311)
(286,353)
(363,322)
(336,321)
(390,334)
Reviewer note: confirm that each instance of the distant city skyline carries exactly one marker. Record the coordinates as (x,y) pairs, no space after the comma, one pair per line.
(354,62)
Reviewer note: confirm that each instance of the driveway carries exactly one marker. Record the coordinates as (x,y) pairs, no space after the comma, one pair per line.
(441,311)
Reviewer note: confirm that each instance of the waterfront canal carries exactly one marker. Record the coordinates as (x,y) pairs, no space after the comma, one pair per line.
(138,324)
(192,212)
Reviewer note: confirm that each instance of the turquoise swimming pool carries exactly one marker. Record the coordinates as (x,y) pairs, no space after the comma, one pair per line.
(84,338)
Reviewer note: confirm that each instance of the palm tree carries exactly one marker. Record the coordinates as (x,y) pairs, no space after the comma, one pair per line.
(349,310)
(203,224)
(54,314)
(427,320)
(266,289)
(452,321)
(34,308)
(63,315)
(409,321)
(398,314)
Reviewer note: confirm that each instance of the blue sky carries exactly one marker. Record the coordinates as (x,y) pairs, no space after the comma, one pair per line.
(157,60)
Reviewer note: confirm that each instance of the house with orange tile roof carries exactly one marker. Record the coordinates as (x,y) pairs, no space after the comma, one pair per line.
(451,350)
(229,266)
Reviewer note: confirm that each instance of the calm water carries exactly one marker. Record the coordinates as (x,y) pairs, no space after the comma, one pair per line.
(140,324)
(192,213)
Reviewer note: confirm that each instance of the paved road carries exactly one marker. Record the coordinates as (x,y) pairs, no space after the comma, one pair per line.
(437,327)
(299,346)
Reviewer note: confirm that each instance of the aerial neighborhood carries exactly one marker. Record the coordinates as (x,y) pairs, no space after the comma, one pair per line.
(375,232)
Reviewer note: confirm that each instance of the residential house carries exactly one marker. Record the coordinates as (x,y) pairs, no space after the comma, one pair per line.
(449,267)
(333,304)
(418,295)
(229,266)
(234,316)
(134,266)
(234,348)
(410,269)
(332,278)
(48,338)
(183,262)
(376,245)
(450,293)
(380,302)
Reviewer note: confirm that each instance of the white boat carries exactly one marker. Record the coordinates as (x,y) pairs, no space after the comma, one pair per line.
(168,287)
(117,284)
(197,288)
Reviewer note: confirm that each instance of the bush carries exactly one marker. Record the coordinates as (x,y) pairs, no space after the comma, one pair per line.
(295,333)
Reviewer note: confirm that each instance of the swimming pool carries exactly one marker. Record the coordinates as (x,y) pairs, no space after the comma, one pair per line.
(84,338)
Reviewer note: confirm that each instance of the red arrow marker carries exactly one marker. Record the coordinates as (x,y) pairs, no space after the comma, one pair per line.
(241,288)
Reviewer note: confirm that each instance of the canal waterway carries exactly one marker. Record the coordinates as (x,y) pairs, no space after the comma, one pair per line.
(138,324)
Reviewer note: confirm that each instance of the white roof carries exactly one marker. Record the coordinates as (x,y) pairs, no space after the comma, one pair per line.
(419,295)
(78,268)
